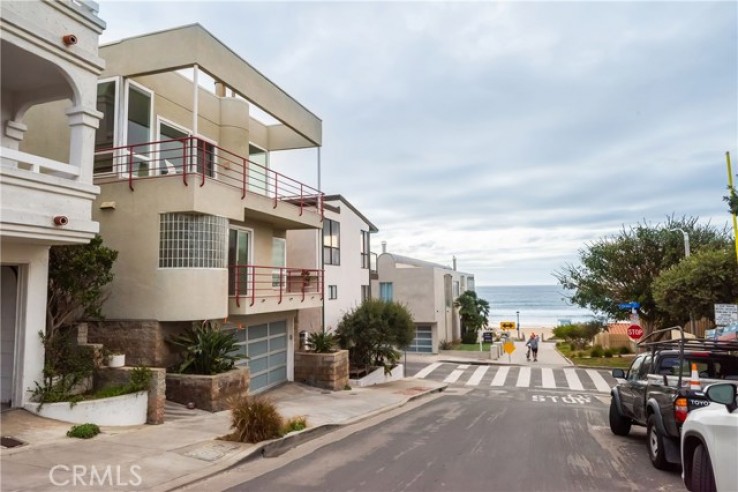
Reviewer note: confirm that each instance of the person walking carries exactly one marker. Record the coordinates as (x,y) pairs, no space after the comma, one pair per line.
(532,345)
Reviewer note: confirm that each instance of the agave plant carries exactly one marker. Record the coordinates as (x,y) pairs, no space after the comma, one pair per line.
(206,349)
(322,342)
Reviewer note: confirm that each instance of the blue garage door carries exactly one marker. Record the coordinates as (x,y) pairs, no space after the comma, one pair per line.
(266,347)
(423,341)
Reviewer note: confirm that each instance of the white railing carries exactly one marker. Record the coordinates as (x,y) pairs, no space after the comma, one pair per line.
(21,160)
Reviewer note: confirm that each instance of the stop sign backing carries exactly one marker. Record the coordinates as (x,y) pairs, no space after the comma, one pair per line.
(635,332)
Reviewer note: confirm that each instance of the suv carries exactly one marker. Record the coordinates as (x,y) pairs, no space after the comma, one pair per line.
(710,442)
(656,392)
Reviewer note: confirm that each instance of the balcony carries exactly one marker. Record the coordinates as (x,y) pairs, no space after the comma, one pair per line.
(258,289)
(198,163)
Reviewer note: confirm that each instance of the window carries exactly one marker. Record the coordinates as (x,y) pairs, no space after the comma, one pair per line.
(257,174)
(171,152)
(279,260)
(385,291)
(365,293)
(139,129)
(456,292)
(105,134)
(331,242)
(470,284)
(365,250)
(239,260)
(332,292)
(192,241)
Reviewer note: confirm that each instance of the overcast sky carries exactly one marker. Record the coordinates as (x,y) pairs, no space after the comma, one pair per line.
(507,134)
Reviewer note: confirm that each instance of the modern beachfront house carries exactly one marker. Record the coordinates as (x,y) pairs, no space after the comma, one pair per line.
(344,247)
(428,290)
(49,60)
(190,202)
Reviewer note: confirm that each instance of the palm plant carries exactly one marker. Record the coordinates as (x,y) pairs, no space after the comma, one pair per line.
(474,314)
(206,349)
(322,342)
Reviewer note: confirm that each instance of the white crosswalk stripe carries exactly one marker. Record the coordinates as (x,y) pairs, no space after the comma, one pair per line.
(572,379)
(499,379)
(519,376)
(598,381)
(476,378)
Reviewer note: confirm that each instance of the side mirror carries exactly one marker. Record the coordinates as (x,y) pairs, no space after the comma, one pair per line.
(618,374)
(724,393)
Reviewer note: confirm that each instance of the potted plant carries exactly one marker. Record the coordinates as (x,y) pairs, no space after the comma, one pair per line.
(116,359)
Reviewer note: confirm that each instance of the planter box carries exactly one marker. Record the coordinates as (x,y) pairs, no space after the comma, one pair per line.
(207,392)
(118,410)
(378,376)
(325,370)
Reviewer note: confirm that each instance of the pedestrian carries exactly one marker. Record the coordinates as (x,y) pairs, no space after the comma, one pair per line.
(532,345)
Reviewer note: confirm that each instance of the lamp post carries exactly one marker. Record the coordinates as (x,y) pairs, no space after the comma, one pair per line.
(687,253)
(517,324)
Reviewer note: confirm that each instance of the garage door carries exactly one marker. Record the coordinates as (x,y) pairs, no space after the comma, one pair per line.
(423,341)
(266,347)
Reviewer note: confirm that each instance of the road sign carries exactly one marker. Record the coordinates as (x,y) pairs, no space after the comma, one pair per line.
(629,305)
(487,336)
(508,347)
(726,314)
(507,325)
(635,332)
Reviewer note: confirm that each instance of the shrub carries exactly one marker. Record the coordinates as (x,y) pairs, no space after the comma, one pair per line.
(580,354)
(206,349)
(255,419)
(624,350)
(597,351)
(608,353)
(294,424)
(83,431)
(322,342)
(374,331)
(469,336)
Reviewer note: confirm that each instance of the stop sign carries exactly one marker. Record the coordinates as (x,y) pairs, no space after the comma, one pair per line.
(635,332)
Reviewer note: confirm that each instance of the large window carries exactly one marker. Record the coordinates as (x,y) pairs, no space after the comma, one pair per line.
(105,134)
(139,129)
(239,260)
(192,241)
(331,242)
(385,291)
(257,166)
(365,249)
(279,260)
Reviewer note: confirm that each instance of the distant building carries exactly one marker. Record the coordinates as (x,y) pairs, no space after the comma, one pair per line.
(429,291)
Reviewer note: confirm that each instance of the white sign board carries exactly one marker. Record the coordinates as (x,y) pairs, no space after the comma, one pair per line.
(726,314)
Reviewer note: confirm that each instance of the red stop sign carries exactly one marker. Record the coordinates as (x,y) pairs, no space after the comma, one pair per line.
(635,332)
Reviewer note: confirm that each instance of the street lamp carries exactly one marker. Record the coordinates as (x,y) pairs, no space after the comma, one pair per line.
(686,255)
(517,314)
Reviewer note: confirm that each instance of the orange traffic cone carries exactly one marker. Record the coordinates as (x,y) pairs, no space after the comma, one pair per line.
(694,379)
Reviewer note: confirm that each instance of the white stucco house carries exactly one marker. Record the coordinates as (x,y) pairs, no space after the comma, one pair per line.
(49,52)
(428,290)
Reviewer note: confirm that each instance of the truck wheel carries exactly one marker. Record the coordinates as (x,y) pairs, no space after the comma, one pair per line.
(703,479)
(655,443)
(619,425)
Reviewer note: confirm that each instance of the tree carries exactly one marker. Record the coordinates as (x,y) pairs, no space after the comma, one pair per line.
(474,314)
(374,331)
(77,277)
(622,268)
(732,199)
(696,284)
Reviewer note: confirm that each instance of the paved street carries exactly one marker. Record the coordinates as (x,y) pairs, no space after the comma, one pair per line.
(470,438)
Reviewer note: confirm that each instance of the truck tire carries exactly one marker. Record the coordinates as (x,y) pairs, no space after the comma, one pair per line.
(703,479)
(619,425)
(655,444)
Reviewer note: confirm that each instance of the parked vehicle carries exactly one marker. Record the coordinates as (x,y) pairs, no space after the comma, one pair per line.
(658,392)
(709,445)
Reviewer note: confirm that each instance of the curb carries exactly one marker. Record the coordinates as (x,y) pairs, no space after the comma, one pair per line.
(277,447)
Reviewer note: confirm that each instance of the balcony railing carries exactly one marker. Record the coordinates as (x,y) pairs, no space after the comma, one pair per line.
(195,161)
(251,282)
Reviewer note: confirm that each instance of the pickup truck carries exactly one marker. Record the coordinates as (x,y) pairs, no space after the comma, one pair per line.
(657,391)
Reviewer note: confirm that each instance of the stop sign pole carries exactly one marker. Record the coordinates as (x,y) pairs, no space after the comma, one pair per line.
(635,332)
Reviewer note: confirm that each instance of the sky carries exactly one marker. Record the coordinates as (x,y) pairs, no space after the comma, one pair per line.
(507,134)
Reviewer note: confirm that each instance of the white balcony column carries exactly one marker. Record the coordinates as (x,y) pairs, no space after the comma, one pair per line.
(82,125)
(14,131)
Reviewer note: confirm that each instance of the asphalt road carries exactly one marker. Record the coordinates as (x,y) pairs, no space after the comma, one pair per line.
(485,439)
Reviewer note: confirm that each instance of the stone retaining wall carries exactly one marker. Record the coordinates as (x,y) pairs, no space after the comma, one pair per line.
(328,371)
(208,392)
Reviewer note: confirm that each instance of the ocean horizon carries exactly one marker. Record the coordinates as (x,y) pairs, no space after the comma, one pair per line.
(535,305)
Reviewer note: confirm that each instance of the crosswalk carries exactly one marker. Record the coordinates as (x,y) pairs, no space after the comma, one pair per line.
(569,378)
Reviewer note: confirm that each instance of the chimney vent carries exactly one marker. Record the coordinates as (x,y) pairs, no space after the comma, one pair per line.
(384,246)
(454,261)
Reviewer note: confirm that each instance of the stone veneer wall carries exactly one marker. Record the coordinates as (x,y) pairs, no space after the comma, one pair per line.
(143,341)
(328,371)
(208,392)
(121,375)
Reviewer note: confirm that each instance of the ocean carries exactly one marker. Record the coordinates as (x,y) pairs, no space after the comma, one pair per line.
(538,305)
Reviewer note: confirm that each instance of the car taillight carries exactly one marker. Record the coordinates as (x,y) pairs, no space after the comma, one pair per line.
(680,410)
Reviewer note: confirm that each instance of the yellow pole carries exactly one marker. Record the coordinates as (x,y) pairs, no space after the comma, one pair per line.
(732,190)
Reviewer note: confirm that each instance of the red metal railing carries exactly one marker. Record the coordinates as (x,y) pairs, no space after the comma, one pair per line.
(253,282)
(195,161)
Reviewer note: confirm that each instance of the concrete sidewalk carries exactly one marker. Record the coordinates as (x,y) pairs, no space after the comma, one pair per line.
(171,455)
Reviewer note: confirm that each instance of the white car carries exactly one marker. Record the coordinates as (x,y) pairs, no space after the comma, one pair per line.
(709,442)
